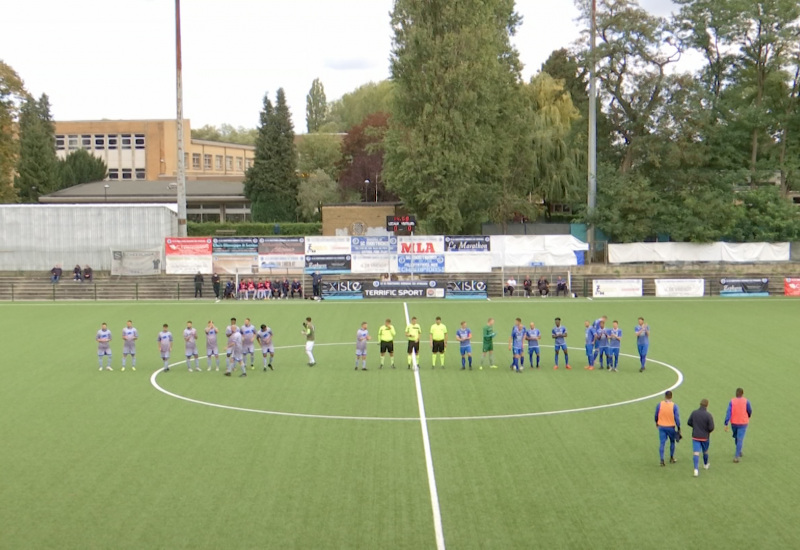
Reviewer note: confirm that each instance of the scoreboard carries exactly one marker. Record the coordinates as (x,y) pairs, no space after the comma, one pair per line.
(400,223)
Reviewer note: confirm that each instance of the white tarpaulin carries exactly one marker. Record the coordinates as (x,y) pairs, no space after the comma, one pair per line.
(468,263)
(680,288)
(698,252)
(535,250)
(136,262)
(617,288)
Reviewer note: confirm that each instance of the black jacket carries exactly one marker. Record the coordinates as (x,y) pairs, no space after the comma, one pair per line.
(702,423)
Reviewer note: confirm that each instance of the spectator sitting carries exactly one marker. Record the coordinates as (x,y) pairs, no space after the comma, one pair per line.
(88,274)
(297,288)
(251,289)
(55,274)
(527,285)
(285,288)
(77,274)
(561,286)
(230,290)
(544,286)
(276,289)
(242,294)
(511,284)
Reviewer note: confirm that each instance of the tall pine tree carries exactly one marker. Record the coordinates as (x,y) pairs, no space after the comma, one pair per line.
(37,166)
(12,92)
(451,141)
(316,106)
(271,183)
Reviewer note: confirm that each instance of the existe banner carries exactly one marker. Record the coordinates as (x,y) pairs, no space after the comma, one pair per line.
(342,290)
(467,290)
(791,287)
(617,288)
(404,289)
(136,262)
(187,255)
(744,287)
(680,288)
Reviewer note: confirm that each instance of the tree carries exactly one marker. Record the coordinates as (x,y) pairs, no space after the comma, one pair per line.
(362,159)
(12,93)
(451,139)
(316,189)
(271,183)
(627,206)
(319,152)
(226,133)
(37,166)
(316,106)
(764,216)
(81,167)
(353,107)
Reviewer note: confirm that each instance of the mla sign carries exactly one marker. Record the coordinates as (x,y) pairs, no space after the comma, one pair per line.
(617,288)
(428,244)
(680,288)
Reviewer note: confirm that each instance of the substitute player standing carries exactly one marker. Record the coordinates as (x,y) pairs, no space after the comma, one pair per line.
(738,414)
(533,335)
(614,342)
(190,337)
(386,336)
(668,420)
(515,344)
(165,345)
(103,339)
(464,337)
(309,331)
(438,336)
(413,332)
(129,337)
(642,341)
(362,337)
(560,337)
(212,348)
(264,337)
(488,343)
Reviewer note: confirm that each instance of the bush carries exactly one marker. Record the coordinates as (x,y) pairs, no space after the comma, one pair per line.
(195,229)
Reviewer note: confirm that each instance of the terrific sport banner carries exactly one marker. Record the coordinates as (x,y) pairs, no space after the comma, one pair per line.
(185,255)
(404,289)
(744,287)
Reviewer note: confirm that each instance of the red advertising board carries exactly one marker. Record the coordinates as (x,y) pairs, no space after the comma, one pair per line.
(791,287)
(187,246)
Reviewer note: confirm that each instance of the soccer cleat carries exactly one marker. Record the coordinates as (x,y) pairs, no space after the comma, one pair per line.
(672,460)
(122,369)
(392,365)
(568,367)
(363,368)
(662,463)
(133,368)
(270,366)
(601,367)
(100,369)
(217,369)
(706,465)
(555,367)
(696,472)
(227,374)
(166,369)
(243,375)
(312,364)
(109,368)
(190,369)
(356,367)
(265,369)
(641,369)
(493,367)
(736,461)
(463,368)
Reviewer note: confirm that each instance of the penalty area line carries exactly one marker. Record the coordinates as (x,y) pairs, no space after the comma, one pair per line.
(426,445)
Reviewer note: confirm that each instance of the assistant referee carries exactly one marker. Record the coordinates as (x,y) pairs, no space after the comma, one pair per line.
(438,341)
(386,337)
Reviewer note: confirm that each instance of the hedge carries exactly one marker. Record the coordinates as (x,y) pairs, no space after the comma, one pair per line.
(195,229)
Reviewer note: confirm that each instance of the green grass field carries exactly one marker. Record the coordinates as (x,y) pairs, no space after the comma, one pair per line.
(104,460)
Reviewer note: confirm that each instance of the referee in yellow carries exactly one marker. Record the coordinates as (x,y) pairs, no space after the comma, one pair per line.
(413,332)
(386,337)
(438,341)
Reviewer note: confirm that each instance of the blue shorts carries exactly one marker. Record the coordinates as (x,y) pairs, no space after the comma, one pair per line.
(466,349)
(516,351)
(561,346)
(603,350)
(700,446)
(533,349)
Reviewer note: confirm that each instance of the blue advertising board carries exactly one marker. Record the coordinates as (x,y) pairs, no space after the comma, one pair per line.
(420,263)
(374,245)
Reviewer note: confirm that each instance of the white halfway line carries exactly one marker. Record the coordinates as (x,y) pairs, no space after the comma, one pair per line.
(426,445)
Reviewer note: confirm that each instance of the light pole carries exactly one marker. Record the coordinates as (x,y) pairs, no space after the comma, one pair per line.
(33,193)
(181,180)
(105,192)
(366,189)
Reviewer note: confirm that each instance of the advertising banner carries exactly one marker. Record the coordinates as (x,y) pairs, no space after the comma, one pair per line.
(136,262)
(468,263)
(744,287)
(281,246)
(616,288)
(231,264)
(269,262)
(187,255)
(333,263)
(426,244)
(791,287)
(467,290)
(234,245)
(404,289)
(467,244)
(680,288)
(380,245)
(422,263)
(342,290)
(372,263)
(327,246)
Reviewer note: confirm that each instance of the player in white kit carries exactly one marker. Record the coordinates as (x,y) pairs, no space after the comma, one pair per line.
(129,337)
(235,347)
(362,337)
(103,339)
(229,330)
(248,342)
(165,345)
(264,337)
(190,337)
(211,344)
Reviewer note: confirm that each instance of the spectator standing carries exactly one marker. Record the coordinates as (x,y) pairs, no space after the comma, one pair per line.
(215,282)
(198,285)
(316,285)
(55,274)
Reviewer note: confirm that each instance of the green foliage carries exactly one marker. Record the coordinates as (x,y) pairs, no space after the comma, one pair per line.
(315,190)
(355,106)
(316,106)
(319,152)
(81,166)
(763,215)
(209,229)
(271,183)
(12,93)
(226,133)
(627,205)
(37,165)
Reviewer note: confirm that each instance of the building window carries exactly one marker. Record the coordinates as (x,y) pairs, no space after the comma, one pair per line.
(196,161)
(72,143)
(140,174)
(99,142)
(229,163)
(239,164)
(218,163)
(248,163)
(206,162)
(112,142)
(127,174)
(86,142)
(139,141)
(113,173)
(126,141)
(60,143)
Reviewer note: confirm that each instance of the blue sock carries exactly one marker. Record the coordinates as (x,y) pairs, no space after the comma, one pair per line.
(556,359)
(530,359)
(705,459)
(566,358)
(463,361)
(696,460)
(537,360)
(470,361)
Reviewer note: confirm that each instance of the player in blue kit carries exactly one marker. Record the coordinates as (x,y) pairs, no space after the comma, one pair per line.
(464,337)
(590,338)
(642,341)
(248,342)
(614,342)
(165,345)
(516,343)
(601,343)
(533,335)
(362,337)
(103,339)
(560,338)
(596,327)
(129,337)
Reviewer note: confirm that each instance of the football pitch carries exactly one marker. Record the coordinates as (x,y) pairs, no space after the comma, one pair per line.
(329,457)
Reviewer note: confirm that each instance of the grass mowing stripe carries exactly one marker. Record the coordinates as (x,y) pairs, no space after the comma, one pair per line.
(426,444)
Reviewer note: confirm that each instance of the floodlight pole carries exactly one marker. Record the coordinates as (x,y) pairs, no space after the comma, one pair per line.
(592,153)
(181,180)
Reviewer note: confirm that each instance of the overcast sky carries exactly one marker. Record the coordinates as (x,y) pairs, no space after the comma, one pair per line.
(115,58)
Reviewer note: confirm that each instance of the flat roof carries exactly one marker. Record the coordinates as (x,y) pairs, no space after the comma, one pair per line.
(162,191)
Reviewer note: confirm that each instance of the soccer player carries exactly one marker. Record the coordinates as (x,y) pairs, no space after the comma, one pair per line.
(438,341)
(129,337)
(596,325)
(668,420)
(386,336)
(488,343)
(614,341)
(248,342)
(362,337)
(212,348)
(235,345)
(589,341)
(103,339)
(190,337)
(516,342)
(309,331)
(165,345)
(702,424)
(413,332)
(464,337)
(560,337)
(738,414)
(229,330)
(264,337)
(533,335)
(601,339)
(642,341)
